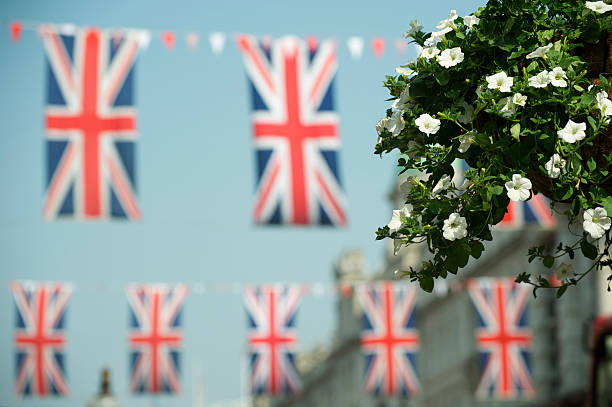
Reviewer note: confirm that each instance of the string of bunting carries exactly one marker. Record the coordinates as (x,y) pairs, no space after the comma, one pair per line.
(217,40)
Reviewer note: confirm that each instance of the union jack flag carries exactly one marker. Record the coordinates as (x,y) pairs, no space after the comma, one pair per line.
(40,339)
(90,125)
(295,131)
(535,211)
(390,339)
(271,340)
(156,337)
(503,338)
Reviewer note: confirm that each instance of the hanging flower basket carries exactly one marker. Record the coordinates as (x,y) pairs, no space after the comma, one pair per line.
(520,90)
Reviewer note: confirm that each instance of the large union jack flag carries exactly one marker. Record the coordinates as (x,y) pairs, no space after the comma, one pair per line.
(390,339)
(295,130)
(271,311)
(156,337)
(40,339)
(503,338)
(90,124)
(536,211)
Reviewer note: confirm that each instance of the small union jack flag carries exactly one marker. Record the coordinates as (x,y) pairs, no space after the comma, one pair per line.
(156,337)
(535,211)
(295,129)
(90,125)
(40,339)
(389,339)
(503,338)
(272,340)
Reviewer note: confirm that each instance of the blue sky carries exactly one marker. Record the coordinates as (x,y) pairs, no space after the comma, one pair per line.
(195,169)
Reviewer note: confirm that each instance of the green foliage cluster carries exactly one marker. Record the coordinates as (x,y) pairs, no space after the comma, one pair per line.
(504,141)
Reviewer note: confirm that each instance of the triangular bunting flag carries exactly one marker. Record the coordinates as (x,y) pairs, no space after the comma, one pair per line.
(192,40)
(378,47)
(144,38)
(355,46)
(15,28)
(169,39)
(312,43)
(217,42)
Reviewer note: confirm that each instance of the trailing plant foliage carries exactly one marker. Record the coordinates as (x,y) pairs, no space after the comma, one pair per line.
(506,90)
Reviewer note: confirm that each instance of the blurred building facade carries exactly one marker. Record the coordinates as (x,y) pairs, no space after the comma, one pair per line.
(447,362)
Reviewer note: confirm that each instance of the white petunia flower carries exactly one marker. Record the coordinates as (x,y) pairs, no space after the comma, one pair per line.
(455,227)
(596,222)
(519,188)
(381,125)
(450,57)
(466,140)
(468,112)
(396,218)
(500,81)
(565,271)
(555,166)
(415,27)
(572,132)
(404,70)
(471,21)
(557,77)
(435,38)
(541,80)
(441,185)
(509,108)
(427,124)
(429,52)
(401,101)
(539,52)
(448,22)
(519,99)
(396,122)
(604,104)
(598,6)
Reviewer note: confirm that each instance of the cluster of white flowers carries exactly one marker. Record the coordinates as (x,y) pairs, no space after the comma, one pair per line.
(555,166)
(598,6)
(556,77)
(510,103)
(595,222)
(604,104)
(572,132)
(455,227)
(519,188)
(500,81)
(427,124)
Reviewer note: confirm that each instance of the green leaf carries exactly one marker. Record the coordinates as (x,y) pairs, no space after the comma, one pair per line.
(442,77)
(496,190)
(561,291)
(515,131)
(476,248)
(592,122)
(460,254)
(427,283)
(589,251)
(591,164)
(607,204)
(548,261)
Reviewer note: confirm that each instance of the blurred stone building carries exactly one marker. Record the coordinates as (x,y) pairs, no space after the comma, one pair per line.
(447,362)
